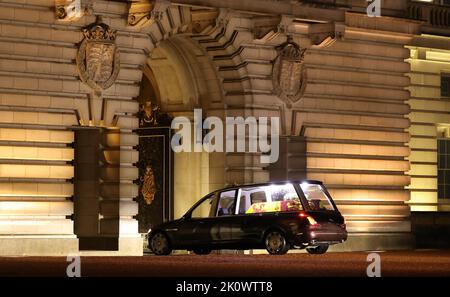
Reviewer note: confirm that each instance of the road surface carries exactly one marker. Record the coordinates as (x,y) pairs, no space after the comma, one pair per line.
(403,263)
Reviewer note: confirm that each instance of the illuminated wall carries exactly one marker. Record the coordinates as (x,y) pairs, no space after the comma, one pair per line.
(354,118)
(367,139)
(35,187)
(42,100)
(430,119)
(353,115)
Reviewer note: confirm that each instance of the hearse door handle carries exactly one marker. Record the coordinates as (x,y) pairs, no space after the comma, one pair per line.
(198,224)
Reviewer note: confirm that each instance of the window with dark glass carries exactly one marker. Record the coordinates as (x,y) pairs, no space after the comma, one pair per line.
(445,84)
(226,204)
(206,208)
(444,168)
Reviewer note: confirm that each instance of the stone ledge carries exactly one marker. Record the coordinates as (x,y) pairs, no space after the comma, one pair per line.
(376,242)
(38,246)
(63,246)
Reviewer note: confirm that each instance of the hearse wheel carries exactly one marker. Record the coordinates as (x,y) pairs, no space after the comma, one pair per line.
(159,244)
(320,249)
(276,243)
(202,251)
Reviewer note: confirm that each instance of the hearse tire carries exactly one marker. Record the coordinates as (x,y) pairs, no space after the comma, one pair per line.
(276,243)
(159,244)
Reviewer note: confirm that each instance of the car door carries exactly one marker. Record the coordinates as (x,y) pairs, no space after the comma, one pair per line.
(225,216)
(200,227)
(259,208)
(248,227)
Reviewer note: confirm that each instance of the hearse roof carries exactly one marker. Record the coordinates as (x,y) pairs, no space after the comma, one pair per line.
(297,181)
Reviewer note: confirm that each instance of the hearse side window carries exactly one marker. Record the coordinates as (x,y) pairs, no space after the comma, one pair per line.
(213,208)
(258,197)
(250,196)
(316,197)
(206,208)
(226,203)
(273,198)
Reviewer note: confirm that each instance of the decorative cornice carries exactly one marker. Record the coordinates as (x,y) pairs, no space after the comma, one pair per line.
(68,10)
(146,12)
(202,19)
(323,35)
(435,18)
(263,25)
(72,10)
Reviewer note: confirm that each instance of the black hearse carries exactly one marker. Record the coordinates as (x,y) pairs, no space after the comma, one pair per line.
(275,216)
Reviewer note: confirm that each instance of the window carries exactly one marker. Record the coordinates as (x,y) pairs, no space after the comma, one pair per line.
(445,84)
(226,205)
(444,168)
(316,197)
(206,209)
(273,198)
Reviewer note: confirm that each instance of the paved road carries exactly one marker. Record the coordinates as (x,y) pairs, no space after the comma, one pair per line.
(411,263)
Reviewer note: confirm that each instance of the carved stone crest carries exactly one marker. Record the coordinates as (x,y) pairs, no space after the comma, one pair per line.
(98,56)
(289,72)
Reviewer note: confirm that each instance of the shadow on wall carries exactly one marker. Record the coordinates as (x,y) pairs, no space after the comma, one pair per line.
(431,229)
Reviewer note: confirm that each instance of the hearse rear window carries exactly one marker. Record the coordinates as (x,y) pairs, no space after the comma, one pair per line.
(273,198)
(316,197)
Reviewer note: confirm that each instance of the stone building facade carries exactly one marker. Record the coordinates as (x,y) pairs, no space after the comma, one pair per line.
(363,112)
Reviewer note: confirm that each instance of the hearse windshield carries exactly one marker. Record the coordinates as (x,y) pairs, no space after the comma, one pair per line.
(270,198)
(316,197)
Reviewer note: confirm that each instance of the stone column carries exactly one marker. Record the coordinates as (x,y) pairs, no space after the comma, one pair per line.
(119,190)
